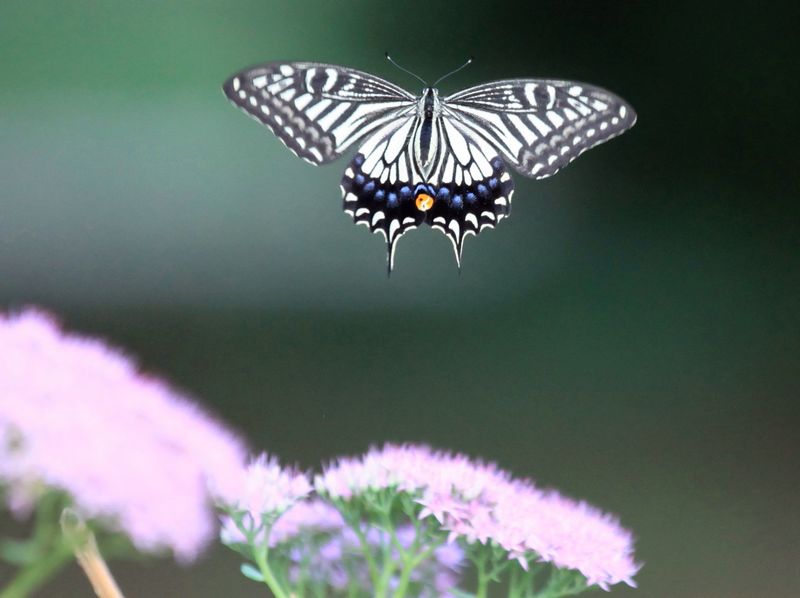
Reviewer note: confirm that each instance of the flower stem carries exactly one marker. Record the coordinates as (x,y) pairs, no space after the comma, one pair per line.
(260,557)
(365,548)
(409,564)
(38,572)
(46,551)
(386,576)
(562,583)
(514,590)
(483,576)
(84,545)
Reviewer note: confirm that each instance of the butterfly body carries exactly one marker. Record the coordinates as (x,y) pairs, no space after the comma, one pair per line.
(429,109)
(427,159)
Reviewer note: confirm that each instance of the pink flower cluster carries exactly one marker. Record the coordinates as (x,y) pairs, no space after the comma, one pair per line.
(269,489)
(479,502)
(77,415)
(409,468)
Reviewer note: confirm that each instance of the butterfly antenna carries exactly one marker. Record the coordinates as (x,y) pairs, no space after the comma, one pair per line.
(463,66)
(405,70)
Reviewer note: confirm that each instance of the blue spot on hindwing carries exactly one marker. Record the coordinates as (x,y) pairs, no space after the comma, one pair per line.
(457,210)
(422,188)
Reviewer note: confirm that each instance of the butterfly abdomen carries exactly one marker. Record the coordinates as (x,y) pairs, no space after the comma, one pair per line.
(426,132)
(427,127)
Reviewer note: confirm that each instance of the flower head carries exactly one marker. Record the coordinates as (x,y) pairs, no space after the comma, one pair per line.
(412,469)
(77,416)
(567,533)
(267,491)
(479,503)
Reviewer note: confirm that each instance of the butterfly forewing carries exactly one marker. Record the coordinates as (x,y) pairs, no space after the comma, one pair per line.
(317,110)
(541,125)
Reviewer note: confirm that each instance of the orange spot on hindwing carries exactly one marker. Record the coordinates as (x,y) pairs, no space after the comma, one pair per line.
(424,202)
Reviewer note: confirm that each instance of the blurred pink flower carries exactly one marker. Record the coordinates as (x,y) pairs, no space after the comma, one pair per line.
(77,415)
(479,502)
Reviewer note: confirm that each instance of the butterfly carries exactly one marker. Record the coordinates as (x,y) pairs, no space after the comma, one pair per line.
(427,159)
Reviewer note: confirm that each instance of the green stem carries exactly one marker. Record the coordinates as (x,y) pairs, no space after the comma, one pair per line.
(483,577)
(409,564)
(405,579)
(514,590)
(45,531)
(352,589)
(38,572)
(365,548)
(562,583)
(386,576)
(260,557)
(47,551)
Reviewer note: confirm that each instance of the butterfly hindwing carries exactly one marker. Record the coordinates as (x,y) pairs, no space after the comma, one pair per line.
(386,208)
(316,110)
(540,125)
(378,187)
(472,188)
(468,190)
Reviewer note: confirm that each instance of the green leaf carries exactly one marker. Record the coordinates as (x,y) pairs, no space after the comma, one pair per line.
(250,572)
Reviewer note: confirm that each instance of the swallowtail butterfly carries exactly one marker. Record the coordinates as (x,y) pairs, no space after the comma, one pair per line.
(427,159)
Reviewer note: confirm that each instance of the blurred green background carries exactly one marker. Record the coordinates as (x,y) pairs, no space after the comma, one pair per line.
(629,336)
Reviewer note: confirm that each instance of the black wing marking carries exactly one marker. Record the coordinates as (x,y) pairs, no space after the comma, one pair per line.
(378,187)
(316,110)
(469,189)
(539,125)
(473,189)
